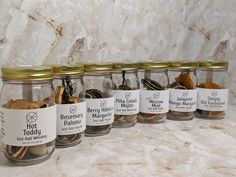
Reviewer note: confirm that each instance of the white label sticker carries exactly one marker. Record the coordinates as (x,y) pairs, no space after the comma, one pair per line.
(183,100)
(71,118)
(100,111)
(156,102)
(126,102)
(28,127)
(212,99)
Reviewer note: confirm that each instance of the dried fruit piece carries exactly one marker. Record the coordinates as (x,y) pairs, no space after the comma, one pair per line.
(185,80)
(38,150)
(209,114)
(151,84)
(93,93)
(176,85)
(16,152)
(68,138)
(118,117)
(7,105)
(151,117)
(209,85)
(131,118)
(44,103)
(124,87)
(175,115)
(124,119)
(21,104)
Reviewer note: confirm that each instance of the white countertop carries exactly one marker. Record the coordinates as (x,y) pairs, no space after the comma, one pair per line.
(197,148)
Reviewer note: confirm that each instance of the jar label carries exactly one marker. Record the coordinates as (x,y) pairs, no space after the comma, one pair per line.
(28,127)
(100,111)
(71,118)
(212,99)
(126,102)
(183,100)
(156,102)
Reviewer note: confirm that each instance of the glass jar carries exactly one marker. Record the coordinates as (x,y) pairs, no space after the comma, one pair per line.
(182,88)
(212,89)
(126,92)
(71,105)
(28,114)
(99,99)
(154,93)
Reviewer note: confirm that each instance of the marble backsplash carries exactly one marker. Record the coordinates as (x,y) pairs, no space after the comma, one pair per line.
(74,31)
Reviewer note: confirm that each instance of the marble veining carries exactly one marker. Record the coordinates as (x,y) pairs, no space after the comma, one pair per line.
(40,32)
(192,148)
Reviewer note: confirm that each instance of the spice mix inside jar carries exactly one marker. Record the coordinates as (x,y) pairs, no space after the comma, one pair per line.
(154,93)
(99,98)
(182,88)
(126,92)
(28,114)
(212,89)
(71,105)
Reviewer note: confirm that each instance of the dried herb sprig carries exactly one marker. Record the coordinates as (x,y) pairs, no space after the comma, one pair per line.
(68,90)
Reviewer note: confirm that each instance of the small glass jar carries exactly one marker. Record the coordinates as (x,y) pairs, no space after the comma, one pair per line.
(71,105)
(154,93)
(99,98)
(28,114)
(126,92)
(212,89)
(182,88)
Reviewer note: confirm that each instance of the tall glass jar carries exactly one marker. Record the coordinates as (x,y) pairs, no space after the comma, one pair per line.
(126,92)
(154,93)
(212,89)
(71,105)
(28,114)
(99,99)
(182,88)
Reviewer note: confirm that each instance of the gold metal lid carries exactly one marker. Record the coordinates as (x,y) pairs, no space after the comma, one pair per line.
(68,69)
(98,67)
(27,73)
(211,64)
(182,65)
(125,66)
(153,65)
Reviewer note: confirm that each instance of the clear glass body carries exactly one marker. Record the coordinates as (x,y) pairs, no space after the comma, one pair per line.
(182,79)
(215,79)
(30,92)
(73,92)
(98,82)
(153,80)
(125,80)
